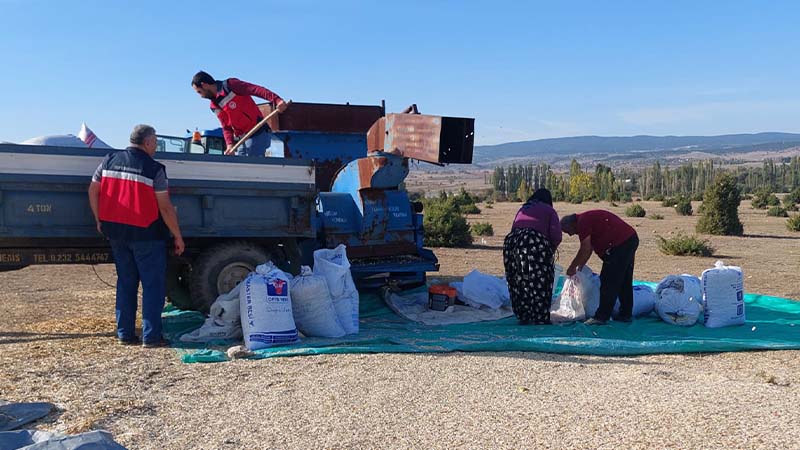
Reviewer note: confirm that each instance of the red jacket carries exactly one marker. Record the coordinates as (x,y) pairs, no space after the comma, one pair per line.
(236,110)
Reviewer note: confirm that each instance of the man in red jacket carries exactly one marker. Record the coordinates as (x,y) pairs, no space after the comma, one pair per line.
(615,242)
(233,105)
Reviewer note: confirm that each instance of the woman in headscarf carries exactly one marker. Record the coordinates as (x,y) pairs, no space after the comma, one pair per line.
(529,258)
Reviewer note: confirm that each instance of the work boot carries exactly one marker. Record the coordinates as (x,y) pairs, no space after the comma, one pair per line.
(624,319)
(594,321)
(156,344)
(131,341)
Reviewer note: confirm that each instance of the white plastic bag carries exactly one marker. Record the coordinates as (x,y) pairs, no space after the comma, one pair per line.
(223,321)
(480,289)
(679,300)
(226,309)
(266,308)
(723,296)
(212,330)
(333,265)
(644,301)
(579,298)
(312,306)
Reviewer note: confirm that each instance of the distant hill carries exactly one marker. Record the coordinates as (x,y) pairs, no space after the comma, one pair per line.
(591,145)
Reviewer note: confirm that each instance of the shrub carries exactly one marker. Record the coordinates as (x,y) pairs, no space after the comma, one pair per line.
(792,198)
(482,229)
(444,225)
(683,245)
(635,211)
(656,216)
(684,207)
(791,208)
(697,197)
(721,208)
(626,197)
(764,198)
(793,224)
(657,198)
(669,202)
(777,211)
(469,209)
(577,200)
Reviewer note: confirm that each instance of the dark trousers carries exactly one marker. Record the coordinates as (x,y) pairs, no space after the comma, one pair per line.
(616,280)
(136,261)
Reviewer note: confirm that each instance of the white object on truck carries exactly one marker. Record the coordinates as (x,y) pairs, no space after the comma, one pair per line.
(579,298)
(679,300)
(312,306)
(334,266)
(266,308)
(62,140)
(723,296)
(644,301)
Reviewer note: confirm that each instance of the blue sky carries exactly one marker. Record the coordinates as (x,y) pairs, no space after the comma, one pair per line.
(524,70)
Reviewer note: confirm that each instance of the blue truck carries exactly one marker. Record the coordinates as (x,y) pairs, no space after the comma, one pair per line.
(335,177)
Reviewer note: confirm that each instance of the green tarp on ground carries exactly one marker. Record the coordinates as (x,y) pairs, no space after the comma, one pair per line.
(773,323)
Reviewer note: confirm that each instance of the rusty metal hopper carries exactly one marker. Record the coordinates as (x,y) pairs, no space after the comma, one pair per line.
(434,139)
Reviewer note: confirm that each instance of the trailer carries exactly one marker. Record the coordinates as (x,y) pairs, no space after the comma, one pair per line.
(336,178)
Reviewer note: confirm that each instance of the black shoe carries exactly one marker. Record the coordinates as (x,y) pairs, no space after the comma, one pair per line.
(132,341)
(593,321)
(624,319)
(157,344)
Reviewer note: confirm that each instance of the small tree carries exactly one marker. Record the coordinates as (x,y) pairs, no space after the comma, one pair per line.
(764,198)
(777,211)
(684,207)
(482,229)
(635,211)
(793,224)
(444,225)
(721,208)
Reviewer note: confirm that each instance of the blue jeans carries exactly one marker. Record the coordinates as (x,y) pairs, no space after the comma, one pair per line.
(257,145)
(136,261)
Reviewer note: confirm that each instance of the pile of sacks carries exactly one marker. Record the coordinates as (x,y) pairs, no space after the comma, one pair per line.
(269,307)
(716,299)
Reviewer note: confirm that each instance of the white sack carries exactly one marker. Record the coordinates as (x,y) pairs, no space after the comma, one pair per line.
(679,300)
(480,289)
(644,301)
(266,308)
(723,296)
(312,306)
(332,264)
(226,309)
(579,299)
(213,330)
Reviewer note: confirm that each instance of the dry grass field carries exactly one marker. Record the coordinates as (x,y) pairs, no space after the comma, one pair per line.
(57,345)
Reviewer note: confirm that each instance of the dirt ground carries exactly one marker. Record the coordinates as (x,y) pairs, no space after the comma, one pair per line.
(57,345)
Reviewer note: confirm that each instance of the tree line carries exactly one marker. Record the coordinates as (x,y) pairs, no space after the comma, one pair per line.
(518,182)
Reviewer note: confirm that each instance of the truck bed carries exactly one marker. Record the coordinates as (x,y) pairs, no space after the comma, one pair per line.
(44,204)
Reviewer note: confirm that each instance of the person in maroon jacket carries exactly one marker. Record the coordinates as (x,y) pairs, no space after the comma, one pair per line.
(528,257)
(232,103)
(615,242)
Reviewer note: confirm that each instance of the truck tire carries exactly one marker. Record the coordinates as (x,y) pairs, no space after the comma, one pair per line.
(179,272)
(220,268)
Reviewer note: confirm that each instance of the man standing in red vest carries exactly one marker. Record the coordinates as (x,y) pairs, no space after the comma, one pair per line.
(232,103)
(130,201)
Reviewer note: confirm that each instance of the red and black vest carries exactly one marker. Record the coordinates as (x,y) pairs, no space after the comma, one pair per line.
(128,207)
(236,111)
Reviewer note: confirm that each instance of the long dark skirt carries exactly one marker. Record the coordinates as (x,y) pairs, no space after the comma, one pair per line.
(528,259)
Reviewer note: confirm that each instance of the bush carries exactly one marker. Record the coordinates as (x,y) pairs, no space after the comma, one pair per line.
(656,216)
(469,209)
(683,245)
(669,202)
(697,197)
(684,208)
(793,224)
(763,199)
(657,198)
(626,197)
(444,224)
(576,200)
(635,211)
(777,211)
(482,229)
(721,208)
